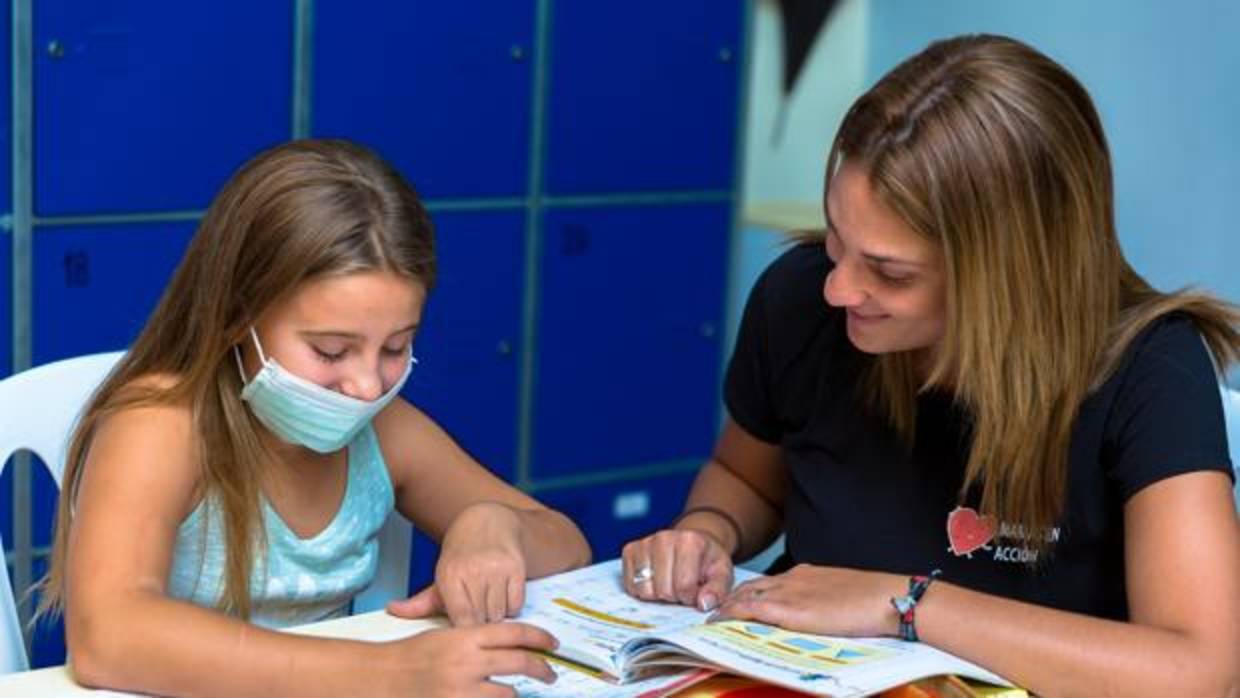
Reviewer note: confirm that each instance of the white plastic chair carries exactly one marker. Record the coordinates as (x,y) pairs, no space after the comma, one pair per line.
(38,409)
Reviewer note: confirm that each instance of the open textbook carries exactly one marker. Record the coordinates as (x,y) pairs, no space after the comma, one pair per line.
(623,640)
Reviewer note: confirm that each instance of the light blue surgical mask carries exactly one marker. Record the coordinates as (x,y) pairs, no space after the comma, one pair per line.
(305,413)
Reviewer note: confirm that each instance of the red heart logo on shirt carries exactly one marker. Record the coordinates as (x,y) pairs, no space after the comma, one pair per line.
(967,531)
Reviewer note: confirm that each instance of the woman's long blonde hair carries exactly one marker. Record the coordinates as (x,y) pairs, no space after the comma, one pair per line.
(995,152)
(303,210)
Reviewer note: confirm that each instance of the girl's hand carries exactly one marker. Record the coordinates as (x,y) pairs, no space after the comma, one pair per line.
(481,573)
(684,566)
(461,661)
(821,600)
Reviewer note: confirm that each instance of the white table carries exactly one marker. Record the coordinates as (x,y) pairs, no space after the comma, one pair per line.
(377,626)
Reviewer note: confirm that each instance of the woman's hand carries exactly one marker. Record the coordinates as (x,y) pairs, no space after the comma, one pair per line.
(461,661)
(821,600)
(481,573)
(685,566)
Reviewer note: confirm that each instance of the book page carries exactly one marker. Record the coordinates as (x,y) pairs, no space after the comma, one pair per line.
(588,611)
(815,664)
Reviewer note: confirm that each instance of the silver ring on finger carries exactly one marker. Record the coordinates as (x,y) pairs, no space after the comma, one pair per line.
(644,574)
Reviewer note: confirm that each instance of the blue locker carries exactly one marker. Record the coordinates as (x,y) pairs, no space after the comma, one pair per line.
(468,346)
(6,111)
(149,105)
(643,95)
(628,366)
(441,89)
(94,286)
(615,513)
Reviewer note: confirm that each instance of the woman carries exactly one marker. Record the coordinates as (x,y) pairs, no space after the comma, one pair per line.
(994,436)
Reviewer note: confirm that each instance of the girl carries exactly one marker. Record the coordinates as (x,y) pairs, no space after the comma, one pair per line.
(239,462)
(989,397)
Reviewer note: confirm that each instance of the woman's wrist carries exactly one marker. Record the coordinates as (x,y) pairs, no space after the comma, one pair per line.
(713,522)
(907,603)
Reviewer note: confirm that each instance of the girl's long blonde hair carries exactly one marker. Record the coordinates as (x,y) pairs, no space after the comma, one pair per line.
(996,153)
(300,211)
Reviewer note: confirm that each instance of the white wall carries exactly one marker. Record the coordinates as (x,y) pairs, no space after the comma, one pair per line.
(783,178)
(791,169)
(1165,77)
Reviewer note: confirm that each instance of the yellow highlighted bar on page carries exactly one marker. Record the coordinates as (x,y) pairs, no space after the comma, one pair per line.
(598,615)
(738,631)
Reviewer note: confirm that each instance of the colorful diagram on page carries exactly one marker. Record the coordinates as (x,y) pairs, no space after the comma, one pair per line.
(809,653)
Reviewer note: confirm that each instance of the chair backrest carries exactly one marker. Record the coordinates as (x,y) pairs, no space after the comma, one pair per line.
(39,407)
(38,410)
(12,646)
(1231,412)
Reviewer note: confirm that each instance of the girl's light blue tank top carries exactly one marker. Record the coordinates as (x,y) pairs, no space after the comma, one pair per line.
(295,580)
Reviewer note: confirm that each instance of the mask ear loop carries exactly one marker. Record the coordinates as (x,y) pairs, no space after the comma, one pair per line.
(258,345)
(237,355)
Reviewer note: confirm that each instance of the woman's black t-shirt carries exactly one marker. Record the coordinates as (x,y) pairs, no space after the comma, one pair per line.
(858,498)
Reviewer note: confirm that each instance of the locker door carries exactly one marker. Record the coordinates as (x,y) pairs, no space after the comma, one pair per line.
(150,105)
(6,111)
(95,286)
(442,89)
(643,95)
(628,365)
(468,347)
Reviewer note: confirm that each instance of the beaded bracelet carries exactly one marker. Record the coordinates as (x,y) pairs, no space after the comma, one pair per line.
(906,605)
(731,521)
